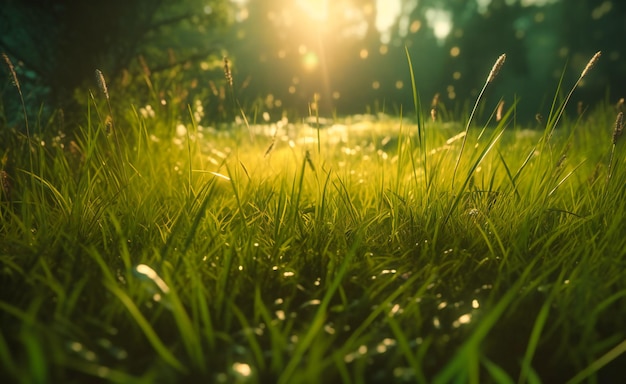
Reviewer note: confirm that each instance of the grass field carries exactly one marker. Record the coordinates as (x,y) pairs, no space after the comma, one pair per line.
(147,248)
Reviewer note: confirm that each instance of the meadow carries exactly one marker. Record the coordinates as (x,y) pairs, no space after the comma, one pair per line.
(148,248)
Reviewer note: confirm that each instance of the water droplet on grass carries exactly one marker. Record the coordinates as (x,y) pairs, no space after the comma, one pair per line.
(395,310)
(385,344)
(403,373)
(145,272)
(242,369)
(311,302)
(75,346)
(464,319)
(90,356)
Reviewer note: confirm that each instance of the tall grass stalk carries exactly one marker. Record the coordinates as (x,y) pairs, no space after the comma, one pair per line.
(419,120)
(617,133)
(497,66)
(17,85)
(553,120)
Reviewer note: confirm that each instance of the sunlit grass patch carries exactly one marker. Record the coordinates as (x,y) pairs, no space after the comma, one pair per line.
(315,250)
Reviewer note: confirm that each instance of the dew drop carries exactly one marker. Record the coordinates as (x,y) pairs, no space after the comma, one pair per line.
(242,369)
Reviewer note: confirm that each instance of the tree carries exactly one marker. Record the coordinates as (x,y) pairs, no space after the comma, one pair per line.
(58,45)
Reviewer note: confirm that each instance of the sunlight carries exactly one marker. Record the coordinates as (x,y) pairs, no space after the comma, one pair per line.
(316,9)
(537,3)
(387,11)
(440,21)
(483,5)
(310,61)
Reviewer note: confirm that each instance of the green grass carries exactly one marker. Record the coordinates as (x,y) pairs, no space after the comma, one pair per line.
(143,255)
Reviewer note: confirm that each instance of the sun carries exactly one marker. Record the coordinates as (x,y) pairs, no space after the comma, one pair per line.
(310,61)
(315,9)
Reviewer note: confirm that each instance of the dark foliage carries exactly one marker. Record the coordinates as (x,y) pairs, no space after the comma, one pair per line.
(57,45)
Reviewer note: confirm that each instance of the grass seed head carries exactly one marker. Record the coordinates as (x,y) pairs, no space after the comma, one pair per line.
(591,63)
(227,73)
(619,126)
(12,72)
(270,148)
(499,110)
(5,184)
(539,118)
(307,156)
(433,107)
(435,102)
(144,66)
(496,68)
(102,84)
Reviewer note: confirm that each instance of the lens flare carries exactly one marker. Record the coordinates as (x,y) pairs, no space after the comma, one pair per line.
(310,61)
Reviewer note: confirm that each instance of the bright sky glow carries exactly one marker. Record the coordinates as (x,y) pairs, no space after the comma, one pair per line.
(440,21)
(310,61)
(539,3)
(316,9)
(482,5)
(387,13)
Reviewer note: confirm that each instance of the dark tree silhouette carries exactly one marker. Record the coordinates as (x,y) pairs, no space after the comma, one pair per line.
(59,44)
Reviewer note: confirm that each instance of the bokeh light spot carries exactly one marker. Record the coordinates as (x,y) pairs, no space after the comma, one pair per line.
(242,369)
(440,21)
(310,61)
(415,26)
(540,17)
(601,10)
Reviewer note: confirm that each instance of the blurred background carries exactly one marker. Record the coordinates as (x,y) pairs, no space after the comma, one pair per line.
(299,57)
